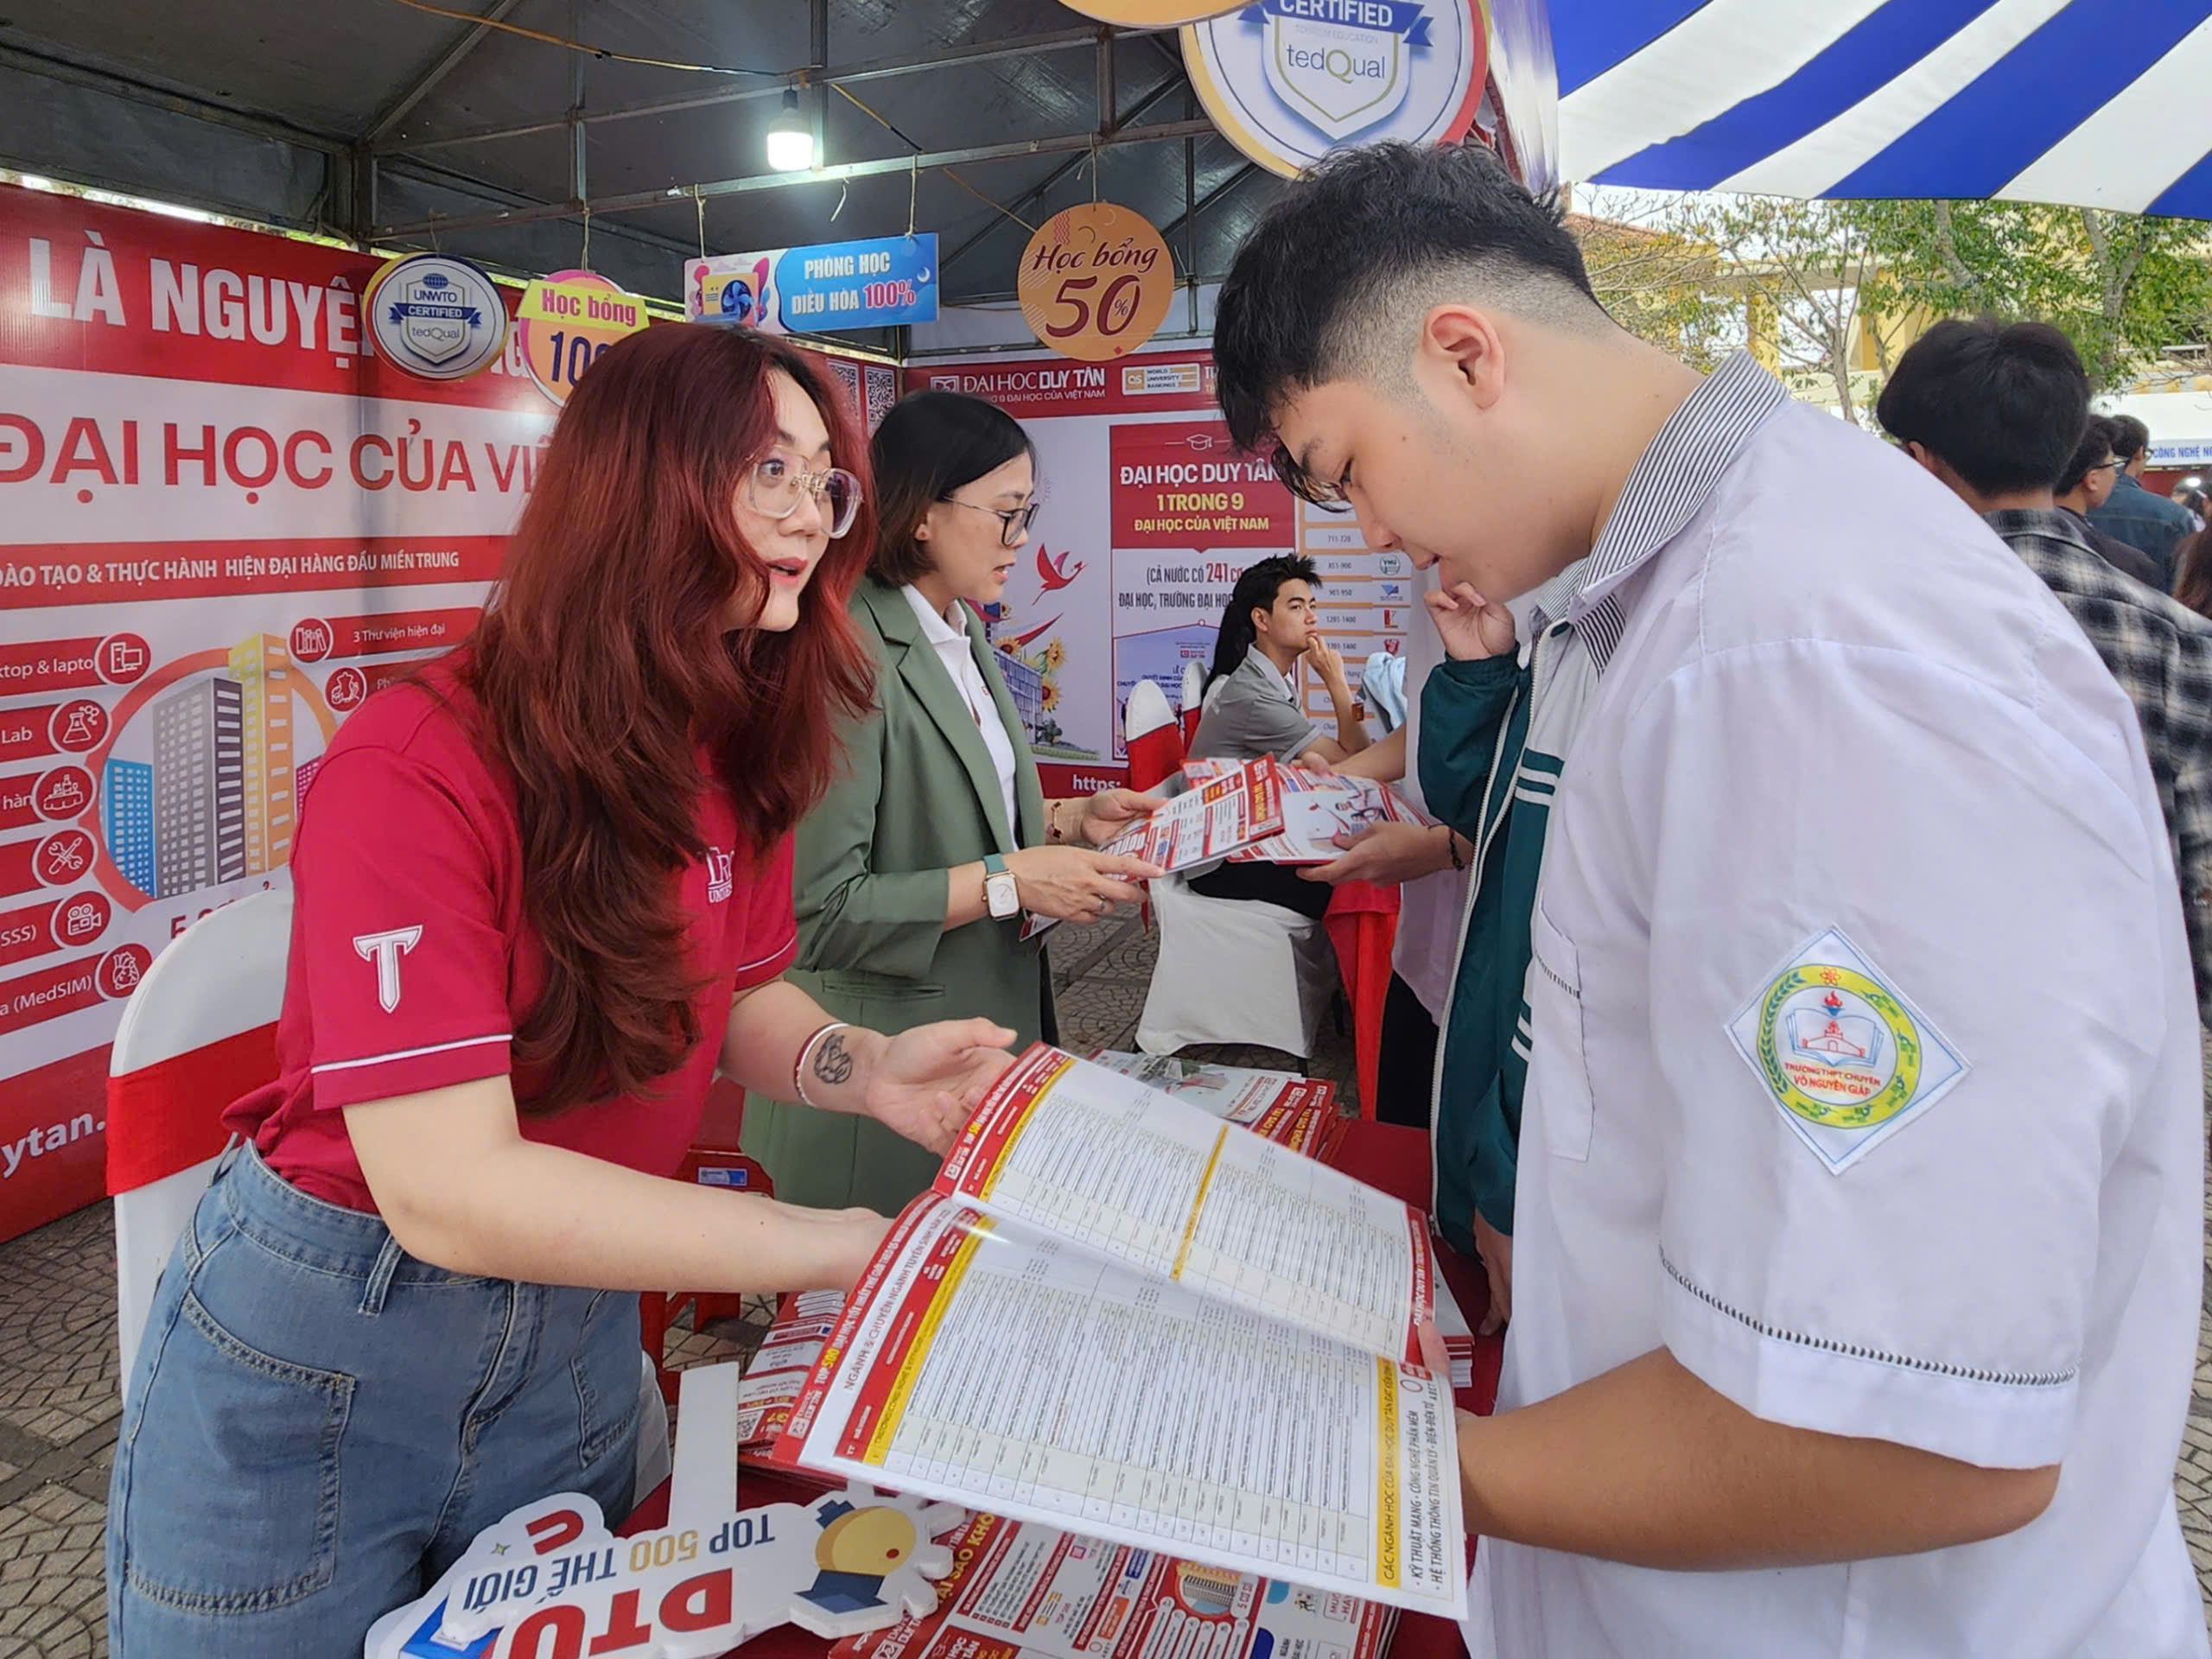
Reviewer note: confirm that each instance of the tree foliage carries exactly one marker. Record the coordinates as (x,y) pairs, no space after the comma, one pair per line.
(1663,286)
(1832,290)
(2125,287)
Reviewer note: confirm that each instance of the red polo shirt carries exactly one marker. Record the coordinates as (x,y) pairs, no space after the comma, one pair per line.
(413,962)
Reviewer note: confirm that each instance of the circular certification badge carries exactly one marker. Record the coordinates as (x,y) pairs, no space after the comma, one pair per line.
(435,317)
(1287,81)
(1150,13)
(1096,282)
(566,321)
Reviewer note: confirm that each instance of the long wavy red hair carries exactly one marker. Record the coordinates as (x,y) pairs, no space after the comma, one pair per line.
(605,668)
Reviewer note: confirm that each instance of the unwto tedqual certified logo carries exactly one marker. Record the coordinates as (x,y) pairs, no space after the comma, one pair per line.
(1287,81)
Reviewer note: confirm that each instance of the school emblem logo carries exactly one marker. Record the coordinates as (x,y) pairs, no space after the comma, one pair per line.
(719,885)
(437,318)
(1846,1057)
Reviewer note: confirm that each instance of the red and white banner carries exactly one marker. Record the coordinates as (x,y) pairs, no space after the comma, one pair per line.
(223,524)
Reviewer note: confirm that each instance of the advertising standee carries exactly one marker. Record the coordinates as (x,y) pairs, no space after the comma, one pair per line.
(1149,516)
(1190,513)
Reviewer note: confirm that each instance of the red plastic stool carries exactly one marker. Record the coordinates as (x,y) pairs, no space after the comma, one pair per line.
(705,1167)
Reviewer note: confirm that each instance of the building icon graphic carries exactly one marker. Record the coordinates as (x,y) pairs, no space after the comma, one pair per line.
(127,820)
(199,811)
(263,668)
(1025,683)
(303,775)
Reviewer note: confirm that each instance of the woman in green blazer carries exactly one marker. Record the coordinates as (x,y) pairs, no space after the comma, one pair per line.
(915,873)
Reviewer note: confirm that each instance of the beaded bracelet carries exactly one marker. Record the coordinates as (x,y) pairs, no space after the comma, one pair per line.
(805,1054)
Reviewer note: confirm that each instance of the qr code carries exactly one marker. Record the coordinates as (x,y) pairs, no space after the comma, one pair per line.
(849,383)
(882,392)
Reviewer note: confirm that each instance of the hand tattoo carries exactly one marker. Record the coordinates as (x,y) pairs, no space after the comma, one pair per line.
(833,1062)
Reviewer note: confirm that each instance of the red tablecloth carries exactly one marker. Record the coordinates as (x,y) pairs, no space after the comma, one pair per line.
(1363,923)
(1383,1155)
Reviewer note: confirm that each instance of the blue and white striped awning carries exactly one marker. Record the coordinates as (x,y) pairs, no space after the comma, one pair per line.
(2093,103)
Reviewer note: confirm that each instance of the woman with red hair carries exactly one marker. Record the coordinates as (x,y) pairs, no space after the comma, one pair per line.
(543,893)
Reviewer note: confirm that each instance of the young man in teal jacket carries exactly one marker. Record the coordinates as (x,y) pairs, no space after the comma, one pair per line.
(1495,730)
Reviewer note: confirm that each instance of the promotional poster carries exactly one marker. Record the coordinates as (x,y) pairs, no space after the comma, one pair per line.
(1148,516)
(224,521)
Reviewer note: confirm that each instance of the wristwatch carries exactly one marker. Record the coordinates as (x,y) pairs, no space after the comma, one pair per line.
(999,892)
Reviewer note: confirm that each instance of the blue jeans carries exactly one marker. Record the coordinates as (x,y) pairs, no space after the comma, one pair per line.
(319,1423)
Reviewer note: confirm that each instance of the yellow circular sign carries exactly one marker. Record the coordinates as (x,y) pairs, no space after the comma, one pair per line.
(1096,282)
(1151,14)
(566,321)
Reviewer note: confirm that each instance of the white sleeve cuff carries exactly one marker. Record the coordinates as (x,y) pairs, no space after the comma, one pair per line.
(1825,1381)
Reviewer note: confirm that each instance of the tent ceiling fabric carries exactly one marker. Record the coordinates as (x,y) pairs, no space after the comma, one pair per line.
(2093,103)
(268,109)
(328,77)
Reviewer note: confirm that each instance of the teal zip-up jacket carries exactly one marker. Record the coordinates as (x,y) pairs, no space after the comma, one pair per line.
(1484,774)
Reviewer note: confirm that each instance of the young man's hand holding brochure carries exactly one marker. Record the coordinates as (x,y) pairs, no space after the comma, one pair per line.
(1119,1314)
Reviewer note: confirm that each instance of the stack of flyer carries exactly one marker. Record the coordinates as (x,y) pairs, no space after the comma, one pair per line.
(1230,807)
(1118,1315)
(1018,1590)
(1300,1112)
(775,1373)
(1260,810)
(1318,808)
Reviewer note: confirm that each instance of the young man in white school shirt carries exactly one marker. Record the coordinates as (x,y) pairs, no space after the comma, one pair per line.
(1858,1233)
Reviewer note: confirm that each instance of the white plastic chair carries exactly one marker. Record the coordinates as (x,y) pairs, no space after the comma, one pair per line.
(1151,735)
(1231,970)
(1235,970)
(222,979)
(1194,690)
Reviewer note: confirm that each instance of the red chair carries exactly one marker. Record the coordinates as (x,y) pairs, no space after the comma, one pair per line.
(1154,740)
(656,1311)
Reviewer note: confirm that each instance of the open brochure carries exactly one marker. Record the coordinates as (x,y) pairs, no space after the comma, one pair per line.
(1118,1315)
(1318,807)
(1300,1113)
(1025,1592)
(1231,807)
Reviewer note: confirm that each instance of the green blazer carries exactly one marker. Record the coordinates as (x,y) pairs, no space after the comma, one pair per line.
(917,795)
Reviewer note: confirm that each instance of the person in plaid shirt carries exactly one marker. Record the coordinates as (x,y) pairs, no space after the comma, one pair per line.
(1996,410)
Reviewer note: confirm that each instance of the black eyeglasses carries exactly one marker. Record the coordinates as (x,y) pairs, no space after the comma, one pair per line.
(1329,498)
(1014,522)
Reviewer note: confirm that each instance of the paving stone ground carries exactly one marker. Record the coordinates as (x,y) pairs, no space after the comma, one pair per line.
(59,1403)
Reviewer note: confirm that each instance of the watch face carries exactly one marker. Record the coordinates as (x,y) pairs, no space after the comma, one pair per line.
(999,892)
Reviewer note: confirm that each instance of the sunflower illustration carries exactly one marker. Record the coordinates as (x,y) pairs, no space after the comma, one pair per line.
(1055,654)
(1048,696)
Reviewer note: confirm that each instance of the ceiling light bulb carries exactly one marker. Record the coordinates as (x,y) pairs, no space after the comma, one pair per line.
(791,139)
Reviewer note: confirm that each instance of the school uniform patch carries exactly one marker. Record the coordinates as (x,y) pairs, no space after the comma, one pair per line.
(1847,1059)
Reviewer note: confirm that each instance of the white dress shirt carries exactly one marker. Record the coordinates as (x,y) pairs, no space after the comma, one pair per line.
(956,651)
(1865,1078)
